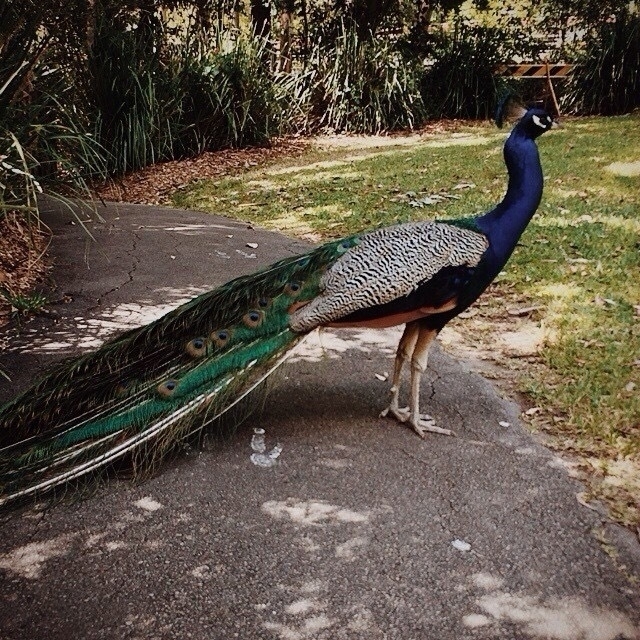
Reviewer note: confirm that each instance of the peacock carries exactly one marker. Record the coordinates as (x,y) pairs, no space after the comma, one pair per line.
(143,392)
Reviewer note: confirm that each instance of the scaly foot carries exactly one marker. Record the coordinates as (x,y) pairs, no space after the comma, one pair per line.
(401,415)
(423,425)
(426,424)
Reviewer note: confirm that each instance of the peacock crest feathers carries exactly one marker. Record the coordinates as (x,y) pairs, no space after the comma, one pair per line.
(509,109)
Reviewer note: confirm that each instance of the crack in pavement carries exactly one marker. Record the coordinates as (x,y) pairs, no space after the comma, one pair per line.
(131,253)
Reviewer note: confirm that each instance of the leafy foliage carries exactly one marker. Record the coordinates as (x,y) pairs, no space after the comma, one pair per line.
(187,100)
(607,79)
(44,144)
(355,85)
(152,81)
(25,303)
(461,81)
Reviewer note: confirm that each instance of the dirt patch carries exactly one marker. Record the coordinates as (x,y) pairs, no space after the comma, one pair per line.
(394,139)
(155,184)
(23,264)
(626,169)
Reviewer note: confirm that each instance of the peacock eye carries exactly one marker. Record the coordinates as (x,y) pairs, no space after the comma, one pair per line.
(253,318)
(167,388)
(293,288)
(221,338)
(196,347)
(124,387)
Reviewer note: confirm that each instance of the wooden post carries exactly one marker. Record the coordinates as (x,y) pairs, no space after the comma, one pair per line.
(285,41)
(551,91)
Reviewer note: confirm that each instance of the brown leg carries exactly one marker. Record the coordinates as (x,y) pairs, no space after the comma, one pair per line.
(422,424)
(403,354)
(414,346)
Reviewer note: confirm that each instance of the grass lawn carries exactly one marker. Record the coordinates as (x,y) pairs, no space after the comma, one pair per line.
(575,275)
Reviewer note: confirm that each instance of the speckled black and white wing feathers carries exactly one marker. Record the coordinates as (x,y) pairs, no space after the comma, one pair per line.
(388,264)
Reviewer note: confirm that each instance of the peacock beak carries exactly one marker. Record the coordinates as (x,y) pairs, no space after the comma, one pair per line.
(556,124)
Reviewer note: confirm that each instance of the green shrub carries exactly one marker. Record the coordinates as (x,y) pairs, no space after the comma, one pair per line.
(353,85)
(153,107)
(607,78)
(44,144)
(245,94)
(135,105)
(461,81)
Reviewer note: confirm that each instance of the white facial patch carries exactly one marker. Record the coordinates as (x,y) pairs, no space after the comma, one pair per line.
(539,122)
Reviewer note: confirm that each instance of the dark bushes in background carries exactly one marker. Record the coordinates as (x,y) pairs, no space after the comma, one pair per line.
(460,82)
(151,106)
(79,103)
(45,144)
(353,85)
(607,79)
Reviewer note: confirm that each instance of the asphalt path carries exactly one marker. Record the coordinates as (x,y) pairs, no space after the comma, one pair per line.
(361,529)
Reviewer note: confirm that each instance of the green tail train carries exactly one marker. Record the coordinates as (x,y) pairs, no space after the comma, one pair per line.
(141,393)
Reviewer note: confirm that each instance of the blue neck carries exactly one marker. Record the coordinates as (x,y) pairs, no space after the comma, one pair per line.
(504,224)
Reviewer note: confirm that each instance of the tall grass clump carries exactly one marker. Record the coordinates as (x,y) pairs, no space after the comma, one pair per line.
(160,103)
(44,150)
(44,143)
(133,121)
(245,94)
(606,80)
(354,85)
(460,81)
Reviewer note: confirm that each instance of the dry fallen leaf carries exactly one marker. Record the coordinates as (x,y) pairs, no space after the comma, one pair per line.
(156,183)
(464,185)
(582,499)
(523,311)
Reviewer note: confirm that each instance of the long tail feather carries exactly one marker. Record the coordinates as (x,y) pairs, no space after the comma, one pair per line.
(140,394)
(125,447)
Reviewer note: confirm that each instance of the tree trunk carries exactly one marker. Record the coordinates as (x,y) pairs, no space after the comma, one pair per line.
(285,41)
(425,11)
(261,18)
(305,30)
(90,26)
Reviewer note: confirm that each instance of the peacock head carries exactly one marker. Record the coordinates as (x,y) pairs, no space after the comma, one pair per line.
(535,122)
(531,122)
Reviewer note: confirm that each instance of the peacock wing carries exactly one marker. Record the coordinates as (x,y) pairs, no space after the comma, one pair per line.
(388,264)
